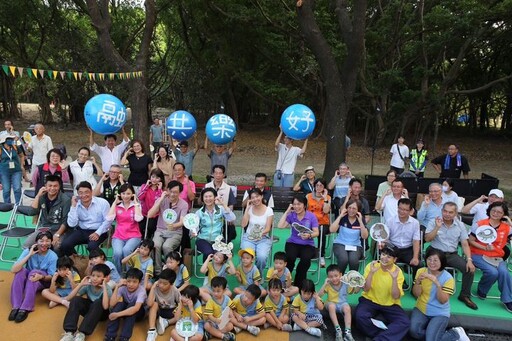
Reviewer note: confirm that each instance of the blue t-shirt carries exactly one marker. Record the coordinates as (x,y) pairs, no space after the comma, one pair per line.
(93,293)
(46,263)
(157,131)
(348,234)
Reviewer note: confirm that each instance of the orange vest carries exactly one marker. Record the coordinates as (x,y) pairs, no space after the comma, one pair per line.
(503,231)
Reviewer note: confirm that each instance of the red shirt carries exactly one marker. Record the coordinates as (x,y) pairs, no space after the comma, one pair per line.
(503,230)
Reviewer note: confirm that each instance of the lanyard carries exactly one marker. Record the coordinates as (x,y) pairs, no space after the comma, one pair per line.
(8,154)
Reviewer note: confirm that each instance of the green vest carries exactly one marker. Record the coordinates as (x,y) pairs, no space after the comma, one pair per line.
(418,160)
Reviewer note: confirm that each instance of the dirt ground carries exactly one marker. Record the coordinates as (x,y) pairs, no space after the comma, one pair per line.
(255,152)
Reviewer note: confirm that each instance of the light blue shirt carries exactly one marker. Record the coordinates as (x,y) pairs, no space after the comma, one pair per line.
(46,263)
(92,218)
(429,213)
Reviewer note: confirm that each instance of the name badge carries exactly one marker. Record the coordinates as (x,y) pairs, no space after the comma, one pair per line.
(11,165)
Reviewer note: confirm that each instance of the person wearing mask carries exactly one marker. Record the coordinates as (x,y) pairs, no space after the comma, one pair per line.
(10,168)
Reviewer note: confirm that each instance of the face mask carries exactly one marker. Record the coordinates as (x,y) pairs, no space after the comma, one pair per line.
(9,142)
(445,188)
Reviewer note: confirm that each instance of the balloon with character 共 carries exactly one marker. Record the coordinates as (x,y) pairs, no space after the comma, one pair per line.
(181,125)
(105,114)
(220,129)
(298,122)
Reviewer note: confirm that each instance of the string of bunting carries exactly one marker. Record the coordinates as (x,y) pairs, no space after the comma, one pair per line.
(18,71)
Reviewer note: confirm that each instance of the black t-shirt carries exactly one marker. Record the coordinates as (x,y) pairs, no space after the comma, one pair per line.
(454,170)
(139,169)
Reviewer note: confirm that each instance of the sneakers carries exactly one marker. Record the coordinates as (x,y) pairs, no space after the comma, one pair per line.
(462,334)
(322,262)
(508,306)
(229,337)
(339,335)
(151,335)
(67,336)
(266,325)
(79,337)
(161,324)
(296,327)
(348,336)
(314,331)
(287,327)
(237,329)
(253,330)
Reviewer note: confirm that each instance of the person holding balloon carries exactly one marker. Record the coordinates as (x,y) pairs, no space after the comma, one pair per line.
(219,154)
(186,155)
(287,155)
(140,164)
(110,154)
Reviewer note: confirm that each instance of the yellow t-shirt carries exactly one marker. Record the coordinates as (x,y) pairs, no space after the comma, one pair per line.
(255,308)
(198,310)
(269,305)
(339,295)
(215,308)
(304,307)
(253,275)
(380,291)
(285,278)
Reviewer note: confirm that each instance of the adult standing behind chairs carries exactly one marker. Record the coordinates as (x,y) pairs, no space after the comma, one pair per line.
(164,162)
(419,158)
(140,164)
(54,207)
(488,257)
(452,164)
(319,203)
(212,217)
(433,286)
(168,236)
(299,245)
(39,145)
(84,168)
(306,183)
(10,168)
(287,155)
(108,186)
(189,187)
(350,226)
(260,182)
(340,184)
(186,155)
(384,186)
(399,153)
(55,165)
(355,192)
(87,221)
(156,134)
(110,154)
(445,233)
(257,221)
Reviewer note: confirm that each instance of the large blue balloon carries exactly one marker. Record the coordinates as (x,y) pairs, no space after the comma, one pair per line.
(220,129)
(105,114)
(298,122)
(181,125)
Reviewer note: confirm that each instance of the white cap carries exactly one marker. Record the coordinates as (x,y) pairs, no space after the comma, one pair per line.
(497,192)
(5,135)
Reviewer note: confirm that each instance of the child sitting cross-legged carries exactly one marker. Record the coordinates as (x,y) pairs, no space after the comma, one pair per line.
(174,261)
(189,306)
(97,256)
(127,305)
(247,272)
(63,282)
(248,312)
(281,272)
(141,259)
(162,300)
(337,301)
(276,307)
(217,264)
(213,311)
(306,310)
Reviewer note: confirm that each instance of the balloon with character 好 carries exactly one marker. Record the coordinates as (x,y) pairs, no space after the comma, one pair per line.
(181,125)
(298,121)
(220,129)
(105,114)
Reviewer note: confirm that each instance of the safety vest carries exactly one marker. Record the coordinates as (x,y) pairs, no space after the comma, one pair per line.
(418,160)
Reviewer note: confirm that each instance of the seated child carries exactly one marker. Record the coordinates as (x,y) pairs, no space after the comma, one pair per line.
(97,256)
(281,272)
(162,300)
(174,261)
(248,312)
(189,306)
(213,311)
(306,310)
(126,304)
(93,307)
(247,272)
(277,307)
(64,280)
(337,301)
(141,259)
(217,264)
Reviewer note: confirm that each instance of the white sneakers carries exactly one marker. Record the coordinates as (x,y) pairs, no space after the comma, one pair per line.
(161,325)
(152,334)
(462,334)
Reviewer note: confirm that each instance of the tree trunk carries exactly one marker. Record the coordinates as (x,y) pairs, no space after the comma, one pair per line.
(44,102)
(9,103)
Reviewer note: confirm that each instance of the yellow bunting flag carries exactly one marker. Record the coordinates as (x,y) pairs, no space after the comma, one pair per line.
(13,70)
(34,72)
(55,74)
(75,74)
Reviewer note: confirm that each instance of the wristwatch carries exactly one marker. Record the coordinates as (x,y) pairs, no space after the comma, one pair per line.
(56,235)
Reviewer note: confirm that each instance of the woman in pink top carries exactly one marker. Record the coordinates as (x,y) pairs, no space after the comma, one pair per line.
(148,194)
(127,213)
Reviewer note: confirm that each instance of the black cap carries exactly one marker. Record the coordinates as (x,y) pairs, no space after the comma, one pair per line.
(183,143)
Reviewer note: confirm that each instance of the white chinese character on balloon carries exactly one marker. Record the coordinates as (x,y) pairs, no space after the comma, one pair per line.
(294,120)
(177,124)
(108,114)
(224,126)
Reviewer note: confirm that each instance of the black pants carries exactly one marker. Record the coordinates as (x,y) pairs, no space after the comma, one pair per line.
(404,256)
(151,227)
(325,232)
(305,253)
(77,236)
(92,312)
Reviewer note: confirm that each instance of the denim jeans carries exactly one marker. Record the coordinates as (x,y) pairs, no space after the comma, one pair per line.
(262,248)
(11,180)
(431,328)
(123,248)
(491,274)
(285,181)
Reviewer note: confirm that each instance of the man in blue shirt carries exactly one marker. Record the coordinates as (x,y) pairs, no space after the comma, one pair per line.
(87,219)
(156,134)
(432,205)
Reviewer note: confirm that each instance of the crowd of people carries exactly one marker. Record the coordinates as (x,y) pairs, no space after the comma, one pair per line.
(147,276)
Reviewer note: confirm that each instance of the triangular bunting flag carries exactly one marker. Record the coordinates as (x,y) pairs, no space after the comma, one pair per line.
(29,72)
(49,73)
(34,72)
(6,69)
(128,75)
(55,73)
(80,75)
(20,71)
(93,75)
(62,74)
(13,70)
(75,74)
(112,75)
(70,74)
(41,72)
